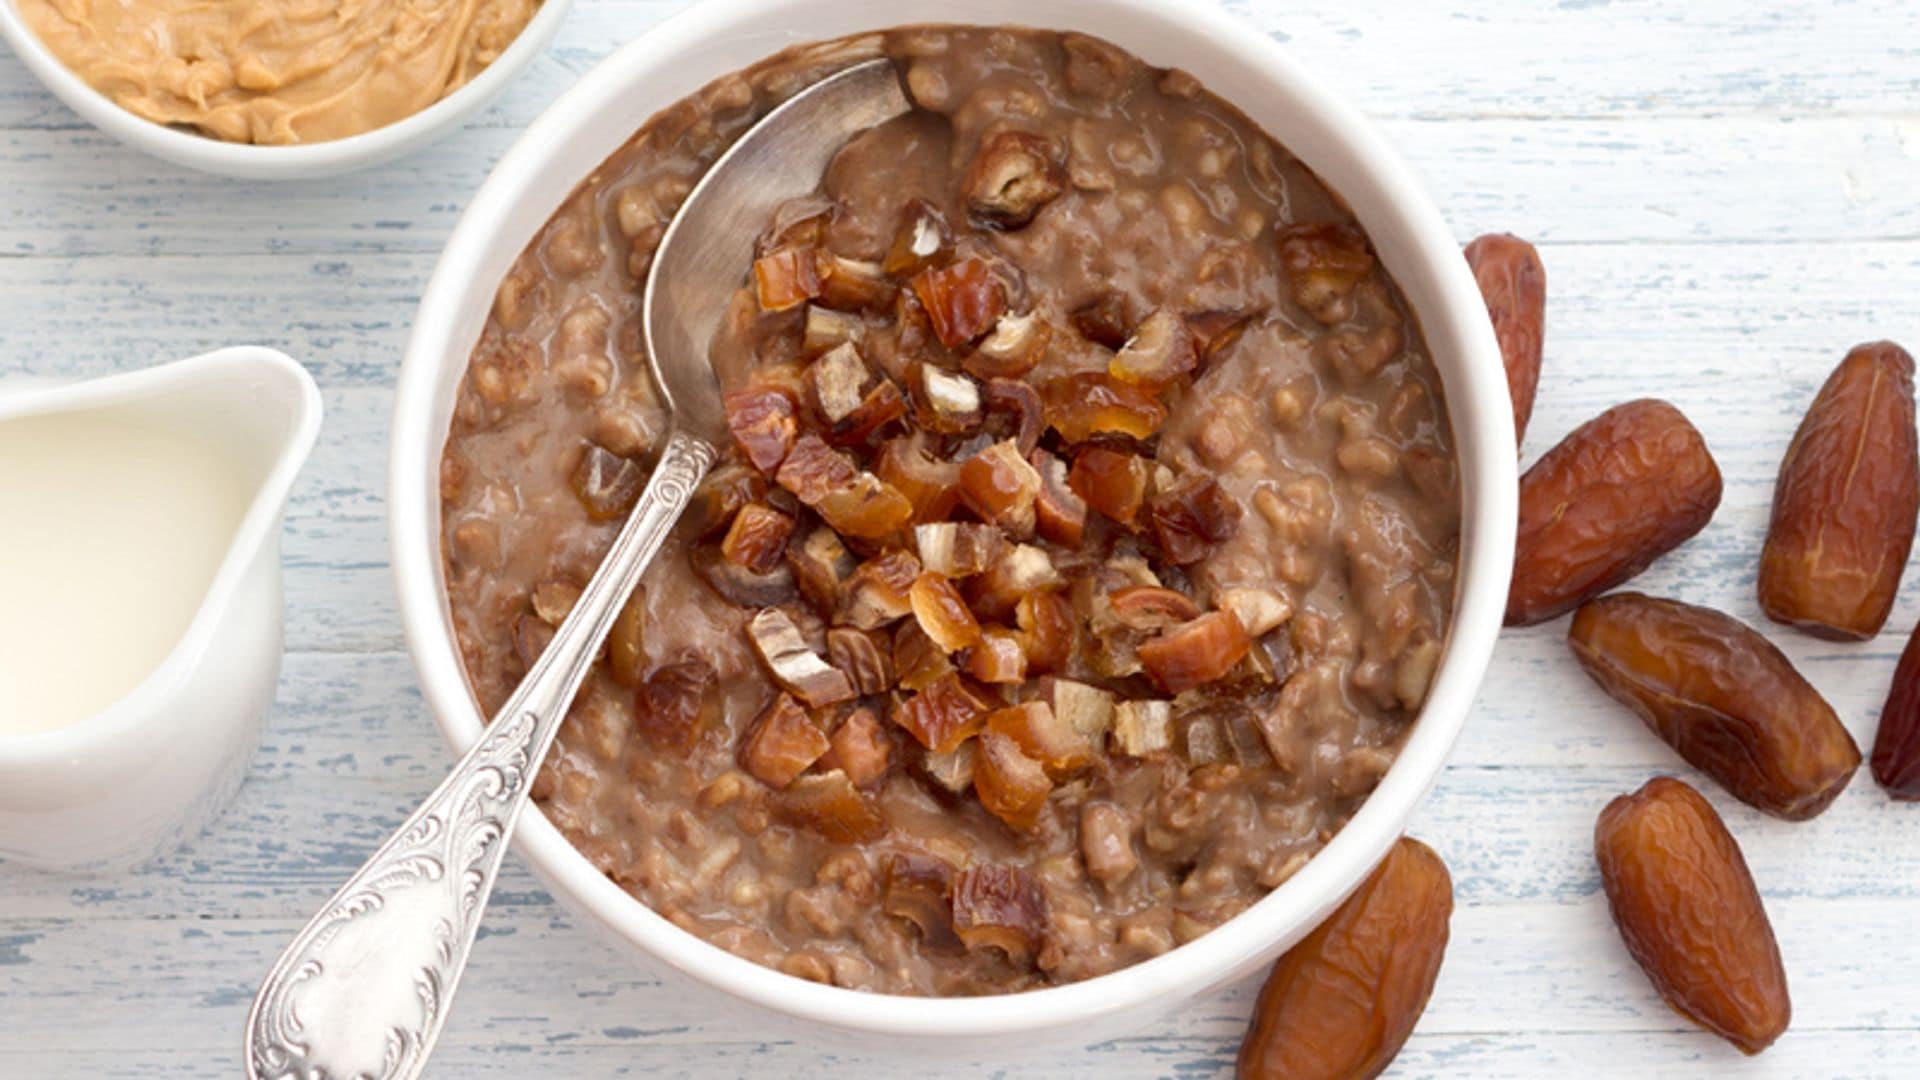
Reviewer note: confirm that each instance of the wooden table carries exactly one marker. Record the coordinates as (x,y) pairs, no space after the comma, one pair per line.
(1727,195)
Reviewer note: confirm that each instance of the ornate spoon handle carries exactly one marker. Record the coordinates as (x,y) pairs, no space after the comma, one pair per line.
(364,989)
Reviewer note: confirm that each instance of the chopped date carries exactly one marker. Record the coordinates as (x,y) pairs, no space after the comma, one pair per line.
(829,804)
(762,422)
(793,663)
(676,704)
(861,748)
(1013,348)
(1105,321)
(1622,490)
(944,715)
(1685,903)
(782,743)
(1196,653)
(867,507)
(962,300)
(932,487)
(1110,481)
(1090,404)
(1324,262)
(606,484)
(1043,735)
(1048,631)
(1721,695)
(1012,786)
(757,540)
(1013,175)
(1844,505)
(1342,1002)
(1161,350)
(864,660)
(876,592)
(942,613)
(999,907)
(999,657)
(813,470)
(918,888)
(786,278)
(1193,517)
(1060,514)
(922,240)
(999,485)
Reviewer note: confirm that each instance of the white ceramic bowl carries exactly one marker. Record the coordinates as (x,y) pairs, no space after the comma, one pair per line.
(149,771)
(719,36)
(304,162)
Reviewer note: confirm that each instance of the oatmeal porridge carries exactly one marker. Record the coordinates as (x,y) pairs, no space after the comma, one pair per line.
(1080,561)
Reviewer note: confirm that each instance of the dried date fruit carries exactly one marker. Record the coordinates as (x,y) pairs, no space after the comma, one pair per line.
(1060,513)
(944,715)
(762,422)
(917,662)
(945,402)
(1014,411)
(999,485)
(918,888)
(821,565)
(1150,607)
(827,330)
(1023,570)
(1044,736)
(1197,652)
(1896,746)
(721,495)
(1012,786)
(932,487)
(1161,350)
(1013,349)
(786,278)
(882,406)
(867,507)
(958,549)
(1013,175)
(999,907)
(1513,282)
(1686,905)
(1722,696)
(738,585)
(1141,728)
(813,470)
(1214,331)
(1341,1003)
(830,805)
(1193,517)
(837,382)
(876,593)
(853,285)
(866,662)
(922,240)
(942,613)
(999,657)
(1105,321)
(676,704)
(626,646)
(1110,481)
(860,748)
(782,743)
(1083,406)
(606,484)
(962,300)
(1324,262)
(1048,631)
(1844,505)
(794,664)
(758,538)
(1622,490)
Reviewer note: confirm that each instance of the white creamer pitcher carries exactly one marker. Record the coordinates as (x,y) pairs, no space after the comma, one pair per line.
(152,766)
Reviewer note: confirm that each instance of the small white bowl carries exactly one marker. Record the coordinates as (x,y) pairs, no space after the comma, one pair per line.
(302,162)
(1242,66)
(151,770)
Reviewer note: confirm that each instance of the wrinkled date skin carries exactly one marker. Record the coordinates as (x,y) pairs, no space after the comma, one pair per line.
(1340,1004)
(1622,490)
(1721,695)
(1513,282)
(1844,506)
(1896,747)
(1686,905)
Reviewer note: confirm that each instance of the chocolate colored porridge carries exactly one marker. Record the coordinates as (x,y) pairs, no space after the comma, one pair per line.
(1081,560)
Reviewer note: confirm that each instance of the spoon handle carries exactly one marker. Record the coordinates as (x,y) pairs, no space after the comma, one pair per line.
(365,987)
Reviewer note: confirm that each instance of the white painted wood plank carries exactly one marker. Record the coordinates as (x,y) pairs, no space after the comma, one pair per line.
(1632,57)
(194,978)
(1564,181)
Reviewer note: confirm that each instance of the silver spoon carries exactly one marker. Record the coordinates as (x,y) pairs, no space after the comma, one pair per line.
(364,989)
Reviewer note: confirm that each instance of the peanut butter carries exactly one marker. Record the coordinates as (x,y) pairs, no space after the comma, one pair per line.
(277,71)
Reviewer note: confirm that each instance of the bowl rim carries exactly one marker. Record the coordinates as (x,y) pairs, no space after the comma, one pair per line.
(1479,411)
(254,161)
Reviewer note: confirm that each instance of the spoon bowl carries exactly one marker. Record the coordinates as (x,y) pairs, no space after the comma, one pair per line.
(365,987)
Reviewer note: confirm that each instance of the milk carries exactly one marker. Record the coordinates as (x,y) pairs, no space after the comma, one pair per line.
(112,526)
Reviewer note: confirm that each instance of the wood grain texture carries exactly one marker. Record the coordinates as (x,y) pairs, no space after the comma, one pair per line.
(1727,196)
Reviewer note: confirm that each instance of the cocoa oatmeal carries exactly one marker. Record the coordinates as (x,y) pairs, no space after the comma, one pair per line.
(1081,560)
